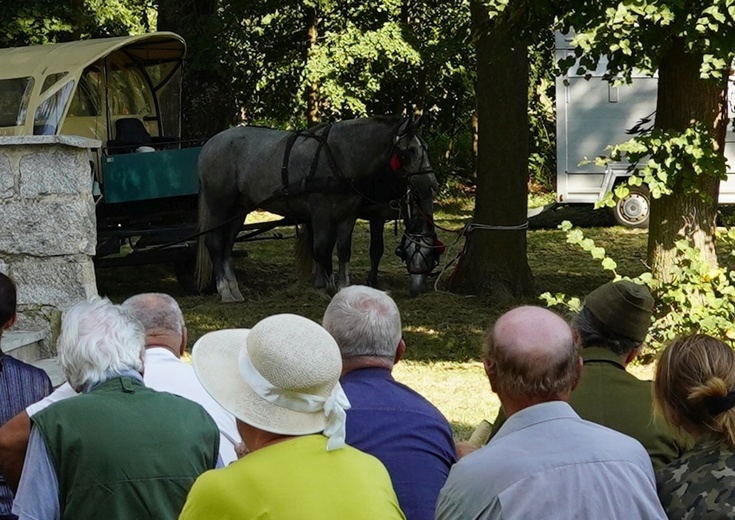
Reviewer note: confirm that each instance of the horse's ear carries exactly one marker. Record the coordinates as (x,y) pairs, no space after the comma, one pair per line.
(421,122)
(405,127)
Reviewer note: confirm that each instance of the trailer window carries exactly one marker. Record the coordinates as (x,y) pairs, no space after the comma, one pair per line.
(48,114)
(14,96)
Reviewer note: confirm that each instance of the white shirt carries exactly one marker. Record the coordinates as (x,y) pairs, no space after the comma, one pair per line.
(546,462)
(167,373)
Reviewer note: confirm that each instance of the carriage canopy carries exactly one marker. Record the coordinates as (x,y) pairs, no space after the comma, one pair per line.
(84,87)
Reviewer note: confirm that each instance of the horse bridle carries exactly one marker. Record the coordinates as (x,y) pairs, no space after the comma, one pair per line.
(397,156)
(419,239)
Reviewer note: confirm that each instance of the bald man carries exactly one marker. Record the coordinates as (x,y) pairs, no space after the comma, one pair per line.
(546,462)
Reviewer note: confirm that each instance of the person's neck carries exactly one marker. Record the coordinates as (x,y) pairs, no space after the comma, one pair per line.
(351,364)
(513,405)
(166,339)
(256,439)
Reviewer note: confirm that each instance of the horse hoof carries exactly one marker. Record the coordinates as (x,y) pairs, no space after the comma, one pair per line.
(231,299)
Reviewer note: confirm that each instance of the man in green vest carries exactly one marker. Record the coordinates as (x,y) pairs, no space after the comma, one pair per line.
(119,450)
(611,329)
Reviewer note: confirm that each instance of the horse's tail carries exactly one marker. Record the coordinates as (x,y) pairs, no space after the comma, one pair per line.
(203,271)
(304,258)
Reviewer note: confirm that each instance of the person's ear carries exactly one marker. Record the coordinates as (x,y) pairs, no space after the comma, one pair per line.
(11,321)
(489,367)
(575,336)
(578,370)
(184,338)
(400,351)
(632,354)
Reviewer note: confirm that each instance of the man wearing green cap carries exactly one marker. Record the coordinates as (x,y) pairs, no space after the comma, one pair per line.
(611,329)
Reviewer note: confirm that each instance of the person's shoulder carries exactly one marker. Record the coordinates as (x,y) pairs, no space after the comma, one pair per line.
(27,369)
(215,485)
(176,401)
(607,439)
(361,458)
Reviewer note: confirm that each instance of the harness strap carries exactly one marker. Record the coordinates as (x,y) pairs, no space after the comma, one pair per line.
(322,144)
(292,188)
(286,157)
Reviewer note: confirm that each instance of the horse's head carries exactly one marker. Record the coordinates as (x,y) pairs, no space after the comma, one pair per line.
(420,248)
(409,160)
(409,155)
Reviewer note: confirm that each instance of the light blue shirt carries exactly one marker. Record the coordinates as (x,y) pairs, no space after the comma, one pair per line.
(546,462)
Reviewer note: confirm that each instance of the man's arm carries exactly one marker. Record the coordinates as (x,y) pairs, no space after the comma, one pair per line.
(38,491)
(13,445)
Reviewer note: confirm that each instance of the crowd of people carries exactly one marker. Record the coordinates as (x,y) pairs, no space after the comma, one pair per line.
(296,420)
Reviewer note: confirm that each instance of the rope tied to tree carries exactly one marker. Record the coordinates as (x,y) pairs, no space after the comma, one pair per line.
(465,232)
(471,226)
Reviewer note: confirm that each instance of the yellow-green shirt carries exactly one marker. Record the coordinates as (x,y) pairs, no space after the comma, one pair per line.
(295,480)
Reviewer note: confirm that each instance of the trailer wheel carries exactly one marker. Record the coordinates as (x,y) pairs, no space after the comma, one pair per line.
(634,210)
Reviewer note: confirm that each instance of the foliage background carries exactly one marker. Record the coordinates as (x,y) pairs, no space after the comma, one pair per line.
(371,58)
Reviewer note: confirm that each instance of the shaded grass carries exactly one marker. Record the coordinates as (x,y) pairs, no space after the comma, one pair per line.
(443,331)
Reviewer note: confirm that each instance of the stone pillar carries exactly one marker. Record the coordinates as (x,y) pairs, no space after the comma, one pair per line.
(47,226)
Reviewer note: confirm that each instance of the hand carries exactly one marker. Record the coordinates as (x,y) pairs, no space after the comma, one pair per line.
(241,450)
(465,448)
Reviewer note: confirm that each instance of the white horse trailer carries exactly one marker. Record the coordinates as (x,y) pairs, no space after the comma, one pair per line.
(593,114)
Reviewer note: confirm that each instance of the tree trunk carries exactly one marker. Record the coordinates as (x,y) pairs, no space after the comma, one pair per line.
(207,101)
(495,260)
(312,90)
(684,97)
(77,8)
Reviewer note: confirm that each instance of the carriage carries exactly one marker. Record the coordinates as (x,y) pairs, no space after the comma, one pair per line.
(126,92)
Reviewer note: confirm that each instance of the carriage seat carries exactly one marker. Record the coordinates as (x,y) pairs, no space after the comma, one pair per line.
(131,133)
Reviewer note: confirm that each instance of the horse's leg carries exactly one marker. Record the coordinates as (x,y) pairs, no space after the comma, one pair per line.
(376,250)
(219,244)
(215,242)
(231,231)
(344,230)
(323,229)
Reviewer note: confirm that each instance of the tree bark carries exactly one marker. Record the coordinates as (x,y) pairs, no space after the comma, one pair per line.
(495,260)
(77,8)
(207,106)
(312,90)
(684,98)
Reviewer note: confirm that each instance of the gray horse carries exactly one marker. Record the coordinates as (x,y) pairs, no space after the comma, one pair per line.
(325,178)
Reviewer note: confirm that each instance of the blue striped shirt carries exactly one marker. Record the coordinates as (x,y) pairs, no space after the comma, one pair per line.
(20,385)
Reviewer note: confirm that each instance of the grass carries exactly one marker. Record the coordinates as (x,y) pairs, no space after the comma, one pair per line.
(443,331)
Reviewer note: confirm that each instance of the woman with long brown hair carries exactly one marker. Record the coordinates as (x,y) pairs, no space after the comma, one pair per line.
(694,389)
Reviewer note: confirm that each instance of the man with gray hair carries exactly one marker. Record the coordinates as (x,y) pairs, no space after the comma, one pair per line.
(387,419)
(546,462)
(165,343)
(119,449)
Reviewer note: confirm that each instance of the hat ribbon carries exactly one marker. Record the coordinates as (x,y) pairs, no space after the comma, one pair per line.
(334,405)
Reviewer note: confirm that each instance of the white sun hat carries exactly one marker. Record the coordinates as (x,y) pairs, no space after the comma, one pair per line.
(282,376)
